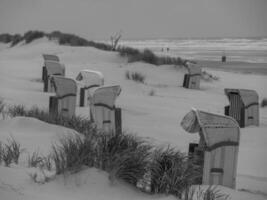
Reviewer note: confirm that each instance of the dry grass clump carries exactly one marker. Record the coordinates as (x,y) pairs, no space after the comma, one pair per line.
(10,152)
(208,76)
(135,76)
(171,172)
(148,56)
(71,154)
(29,36)
(209,193)
(38,161)
(77,123)
(124,156)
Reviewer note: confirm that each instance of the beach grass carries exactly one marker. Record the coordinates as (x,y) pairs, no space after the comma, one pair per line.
(10,152)
(124,156)
(135,76)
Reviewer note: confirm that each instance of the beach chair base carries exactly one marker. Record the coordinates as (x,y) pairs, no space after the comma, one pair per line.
(53,105)
(118,124)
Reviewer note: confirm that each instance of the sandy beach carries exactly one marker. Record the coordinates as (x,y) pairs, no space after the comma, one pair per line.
(235,66)
(155,117)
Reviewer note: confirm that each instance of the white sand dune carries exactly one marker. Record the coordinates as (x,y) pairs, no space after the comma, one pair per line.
(155,117)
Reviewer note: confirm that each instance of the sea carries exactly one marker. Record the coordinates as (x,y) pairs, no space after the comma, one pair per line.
(252,50)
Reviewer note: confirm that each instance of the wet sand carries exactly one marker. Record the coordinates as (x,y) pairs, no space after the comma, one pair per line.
(235,66)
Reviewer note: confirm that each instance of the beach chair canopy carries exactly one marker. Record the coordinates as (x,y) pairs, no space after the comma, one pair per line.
(54,68)
(90,78)
(215,130)
(50,57)
(249,97)
(64,86)
(193,69)
(106,95)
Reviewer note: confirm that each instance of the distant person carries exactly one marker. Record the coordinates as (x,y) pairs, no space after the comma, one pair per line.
(223,57)
(168,49)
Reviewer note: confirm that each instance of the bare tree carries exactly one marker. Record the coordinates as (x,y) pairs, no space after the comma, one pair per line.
(114,40)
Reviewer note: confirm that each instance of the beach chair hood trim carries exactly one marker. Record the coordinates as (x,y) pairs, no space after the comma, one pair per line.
(50,57)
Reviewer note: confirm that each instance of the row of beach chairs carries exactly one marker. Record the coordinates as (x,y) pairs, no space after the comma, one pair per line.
(244,104)
(217,151)
(87,90)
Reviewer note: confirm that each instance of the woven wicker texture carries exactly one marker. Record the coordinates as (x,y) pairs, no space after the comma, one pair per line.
(214,128)
(64,86)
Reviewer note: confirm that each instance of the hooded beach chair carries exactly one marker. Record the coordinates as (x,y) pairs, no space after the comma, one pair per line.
(64,102)
(52,68)
(87,80)
(217,150)
(103,111)
(244,106)
(192,79)
(48,57)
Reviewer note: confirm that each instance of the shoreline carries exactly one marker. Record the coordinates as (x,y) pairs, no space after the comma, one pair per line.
(235,66)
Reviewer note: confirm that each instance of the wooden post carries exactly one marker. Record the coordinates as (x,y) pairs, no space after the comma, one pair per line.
(196,156)
(53,105)
(82,96)
(186,81)
(118,124)
(46,84)
(44,73)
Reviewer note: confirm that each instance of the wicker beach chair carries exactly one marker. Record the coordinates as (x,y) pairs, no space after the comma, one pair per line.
(88,79)
(103,111)
(64,102)
(48,58)
(219,144)
(52,68)
(244,106)
(192,79)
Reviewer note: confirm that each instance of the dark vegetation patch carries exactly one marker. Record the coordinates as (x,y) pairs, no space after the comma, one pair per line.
(135,76)
(132,54)
(124,156)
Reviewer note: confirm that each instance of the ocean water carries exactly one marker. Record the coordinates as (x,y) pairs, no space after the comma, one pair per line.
(253,50)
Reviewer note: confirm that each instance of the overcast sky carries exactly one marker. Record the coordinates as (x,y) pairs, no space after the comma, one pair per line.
(99,19)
